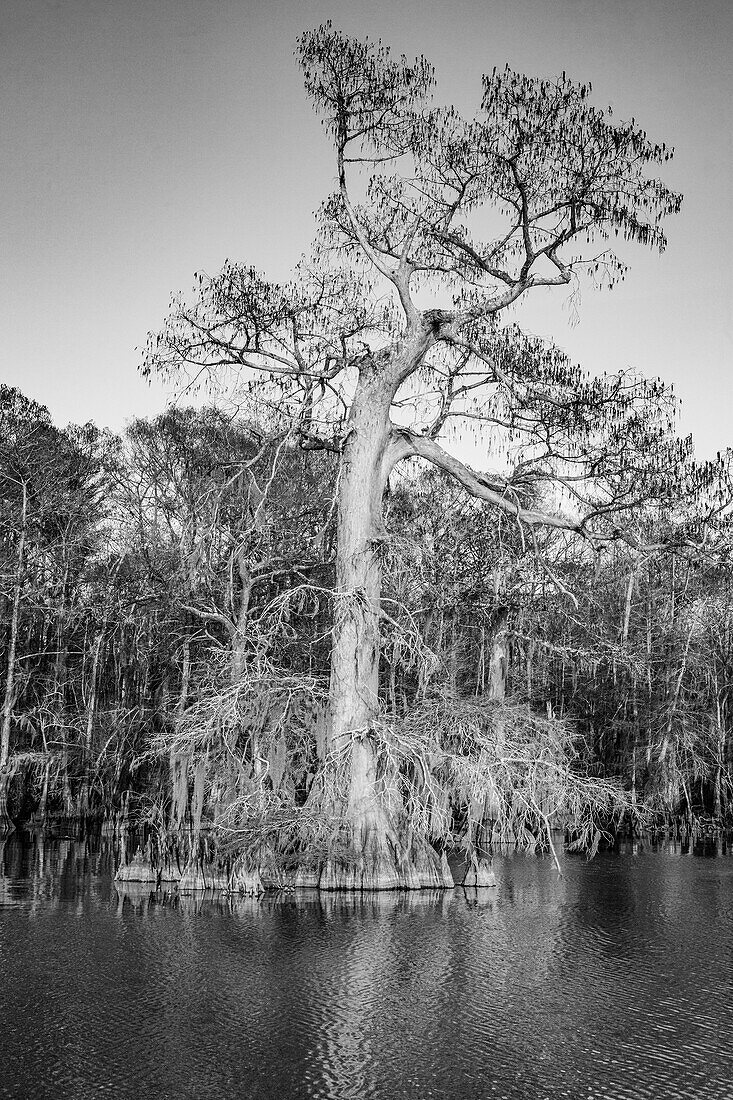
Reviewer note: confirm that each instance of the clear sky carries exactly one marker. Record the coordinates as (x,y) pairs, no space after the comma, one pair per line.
(143,140)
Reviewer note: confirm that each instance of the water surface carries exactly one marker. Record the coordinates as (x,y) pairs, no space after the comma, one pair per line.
(614,981)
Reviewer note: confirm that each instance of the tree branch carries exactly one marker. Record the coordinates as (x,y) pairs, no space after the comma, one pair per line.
(407,444)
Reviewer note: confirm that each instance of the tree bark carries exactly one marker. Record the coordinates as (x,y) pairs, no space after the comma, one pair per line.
(370,854)
(354,687)
(499,656)
(355,656)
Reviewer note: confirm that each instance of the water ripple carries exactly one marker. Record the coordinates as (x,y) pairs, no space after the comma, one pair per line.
(615,981)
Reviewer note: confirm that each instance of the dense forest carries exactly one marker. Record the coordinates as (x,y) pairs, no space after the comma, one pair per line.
(168,607)
(292,635)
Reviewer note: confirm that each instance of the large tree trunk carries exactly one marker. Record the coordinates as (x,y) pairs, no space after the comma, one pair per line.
(370,853)
(354,686)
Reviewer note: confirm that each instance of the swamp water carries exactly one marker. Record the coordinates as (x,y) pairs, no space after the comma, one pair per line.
(614,981)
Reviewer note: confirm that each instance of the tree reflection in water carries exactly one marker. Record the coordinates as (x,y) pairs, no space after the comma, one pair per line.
(615,978)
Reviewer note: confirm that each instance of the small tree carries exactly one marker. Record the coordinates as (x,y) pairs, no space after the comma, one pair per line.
(390,333)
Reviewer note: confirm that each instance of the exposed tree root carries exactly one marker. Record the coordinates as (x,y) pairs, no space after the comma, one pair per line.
(246,881)
(376,860)
(199,877)
(138,869)
(170,873)
(479,873)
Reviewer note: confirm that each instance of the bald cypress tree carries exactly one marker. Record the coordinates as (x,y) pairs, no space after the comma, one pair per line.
(394,330)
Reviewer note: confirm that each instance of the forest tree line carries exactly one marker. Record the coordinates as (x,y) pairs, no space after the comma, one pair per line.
(168,599)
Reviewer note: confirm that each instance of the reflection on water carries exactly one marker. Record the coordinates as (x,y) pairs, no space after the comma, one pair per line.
(613,981)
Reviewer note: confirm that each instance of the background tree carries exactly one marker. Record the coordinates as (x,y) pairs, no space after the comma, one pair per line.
(232,518)
(518,673)
(51,515)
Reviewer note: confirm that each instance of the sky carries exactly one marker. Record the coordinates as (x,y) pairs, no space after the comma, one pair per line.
(144,140)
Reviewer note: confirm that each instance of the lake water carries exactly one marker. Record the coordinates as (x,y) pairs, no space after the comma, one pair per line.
(614,981)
